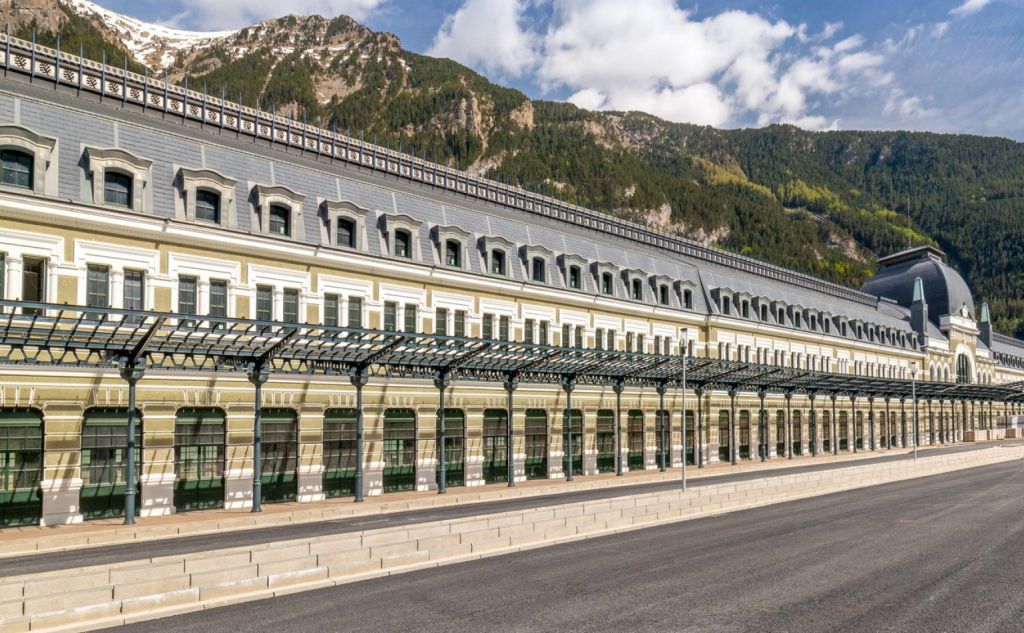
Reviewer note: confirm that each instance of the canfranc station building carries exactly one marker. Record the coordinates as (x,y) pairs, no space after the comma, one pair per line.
(221,266)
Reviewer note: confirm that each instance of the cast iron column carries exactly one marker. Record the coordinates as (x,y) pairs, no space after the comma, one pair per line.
(787,430)
(812,427)
(854,427)
(699,441)
(871,421)
(441,380)
(258,376)
(762,428)
(661,426)
(132,373)
(359,378)
(835,426)
(732,426)
(568,384)
(511,382)
(617,388)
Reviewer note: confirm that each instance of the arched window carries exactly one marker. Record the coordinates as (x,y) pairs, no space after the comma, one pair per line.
(497,262)
(403,244)
(538,266)
(453,253)
(208,205)
(963,369)
(17,168)
(117,189)
(346,232)
(280,220)
(575,278)
(606,284)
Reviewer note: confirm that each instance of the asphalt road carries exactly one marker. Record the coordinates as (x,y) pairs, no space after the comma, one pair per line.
(943,553)
(35,563)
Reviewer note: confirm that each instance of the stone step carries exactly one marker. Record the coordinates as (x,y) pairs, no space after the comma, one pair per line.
(107,595)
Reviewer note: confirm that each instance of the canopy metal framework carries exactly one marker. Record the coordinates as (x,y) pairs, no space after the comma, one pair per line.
(133,342)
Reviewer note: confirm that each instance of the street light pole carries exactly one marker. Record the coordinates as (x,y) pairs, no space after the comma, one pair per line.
(913,396)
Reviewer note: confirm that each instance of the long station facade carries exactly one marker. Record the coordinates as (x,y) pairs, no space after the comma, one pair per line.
(124,195)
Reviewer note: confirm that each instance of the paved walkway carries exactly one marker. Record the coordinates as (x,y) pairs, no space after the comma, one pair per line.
(940,553)
(390,511)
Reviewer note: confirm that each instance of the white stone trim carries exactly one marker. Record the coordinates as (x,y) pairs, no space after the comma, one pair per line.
(42,148)
(102,160)
(188,181)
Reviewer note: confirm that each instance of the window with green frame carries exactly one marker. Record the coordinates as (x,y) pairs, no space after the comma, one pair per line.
(605,440)
(21,449)
(454,446)
(105,447)
(399,450)
(199,444)
(536,443)
(339,439)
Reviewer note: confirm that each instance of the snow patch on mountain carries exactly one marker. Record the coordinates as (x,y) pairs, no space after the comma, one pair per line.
(150,44)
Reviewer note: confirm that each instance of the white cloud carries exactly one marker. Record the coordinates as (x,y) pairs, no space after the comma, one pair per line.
(212,15)
(969,7)
(732,68)
(487,34)
(939,29)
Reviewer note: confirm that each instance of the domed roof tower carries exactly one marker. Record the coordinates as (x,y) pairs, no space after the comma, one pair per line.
(945,291)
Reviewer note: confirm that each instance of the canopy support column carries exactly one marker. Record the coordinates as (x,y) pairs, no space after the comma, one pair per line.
(931,424)
(511,383)
(835,425)
(568,384)
(762,428)
(812,427)
(132,373)
(617,388)
(683,465)
(442,380)
(662,423)
(854,427)
(871,421)
(914,431)
(732,426)
(887,435)
(699,427)
(258,377)
(788,430)
(359,378)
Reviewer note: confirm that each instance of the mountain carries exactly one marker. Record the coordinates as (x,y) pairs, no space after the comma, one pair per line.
(827,203)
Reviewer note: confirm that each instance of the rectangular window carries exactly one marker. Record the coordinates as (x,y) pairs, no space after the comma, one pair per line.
(629,341)
(117,189)
(504,325)
(355,312)
(459,328)
(599,338)
(218,298)
(441,322)
(611,339)
(264,303)
(290,308)
(410,317)
(97,286)
(657,344)
(640,343)
(542,333)
(688,299)
(331,310)
(187,293)
(390,316)
(566,336)
(579,337)
(487,327)
(528,331)
(3,276)
(134,290)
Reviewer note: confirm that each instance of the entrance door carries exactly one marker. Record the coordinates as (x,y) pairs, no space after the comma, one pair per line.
(399,450)
(744,434)
(280,456)
(495,445)
(577,445)
(21,467)
(663,429)
(536,464)
(339,453)
(797,433)
(635,433)
(826,432)
(844,436)
(690,446)
(105,462)
(454,447)
(605,441)
(780,433)
(198,459)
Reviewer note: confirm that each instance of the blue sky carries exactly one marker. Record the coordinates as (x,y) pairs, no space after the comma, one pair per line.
(939,65)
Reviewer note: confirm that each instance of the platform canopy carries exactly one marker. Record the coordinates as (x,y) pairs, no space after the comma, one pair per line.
(50,335)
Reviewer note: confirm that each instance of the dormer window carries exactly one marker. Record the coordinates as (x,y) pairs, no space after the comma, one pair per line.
(663,294)
(117,189)
(688,299)
(25,160)
(764,313)
(453,253)
(796,319)
(280,220)
(402,243)
(208,206)
(637,290)
(575,278)
(17,168)
(745,309)
(498,262)
(537,269)
(726,306)
(781,316)
(607,286)
(346,233)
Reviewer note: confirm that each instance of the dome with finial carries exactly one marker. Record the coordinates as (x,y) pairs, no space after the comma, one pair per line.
(942,288)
